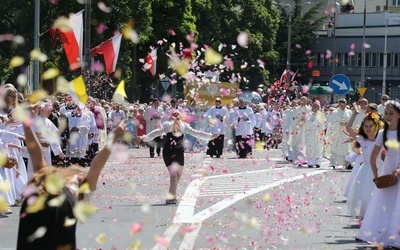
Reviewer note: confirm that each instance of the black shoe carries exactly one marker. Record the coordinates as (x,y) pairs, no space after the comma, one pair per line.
(317,166)
(158,155)
(171,202)
(333,167)
(310,166)
(218,156)
(151,156)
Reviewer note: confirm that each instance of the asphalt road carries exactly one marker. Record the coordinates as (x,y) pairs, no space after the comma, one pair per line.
(257,203)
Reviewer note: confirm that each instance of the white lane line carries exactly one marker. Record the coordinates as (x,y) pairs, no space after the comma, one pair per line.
(168,235)
(190,238)
(185,210)
(219,206)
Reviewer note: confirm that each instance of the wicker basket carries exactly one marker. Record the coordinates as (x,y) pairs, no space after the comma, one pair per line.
(11,162)
(385,181)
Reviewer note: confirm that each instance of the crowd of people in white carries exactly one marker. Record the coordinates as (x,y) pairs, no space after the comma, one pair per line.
(362,137)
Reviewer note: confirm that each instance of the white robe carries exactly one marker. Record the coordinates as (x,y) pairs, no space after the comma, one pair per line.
(337,137)
(314,143)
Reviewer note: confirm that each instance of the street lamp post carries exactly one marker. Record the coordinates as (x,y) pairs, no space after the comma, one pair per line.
(289,41)
(385,55)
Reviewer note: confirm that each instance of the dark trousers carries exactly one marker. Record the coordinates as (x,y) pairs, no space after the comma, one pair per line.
(91,153)
(156,143)
(243,149)
(216,146)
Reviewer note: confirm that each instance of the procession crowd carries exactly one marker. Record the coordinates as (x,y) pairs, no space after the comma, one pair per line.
(363,137)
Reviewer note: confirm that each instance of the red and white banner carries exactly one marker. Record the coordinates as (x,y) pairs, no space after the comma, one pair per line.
(71,35)
(110,51)
(284,76)
(151,60)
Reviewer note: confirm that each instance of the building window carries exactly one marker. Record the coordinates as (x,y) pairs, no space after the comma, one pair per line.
(380,62)
(396,2)
(367,56)
(395,60)
(345,59)
(350,62)
(318,59)
(337,59)
(359,59)
(328,60)
(373,59)
(322,59)
(389,60)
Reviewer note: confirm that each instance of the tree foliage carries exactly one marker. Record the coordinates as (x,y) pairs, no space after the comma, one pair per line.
(165,25)
(303,25)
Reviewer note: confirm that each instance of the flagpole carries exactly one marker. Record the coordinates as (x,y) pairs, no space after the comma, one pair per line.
(87,61)
(36,38)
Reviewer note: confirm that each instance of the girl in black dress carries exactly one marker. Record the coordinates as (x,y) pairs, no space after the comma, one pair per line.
(173,150)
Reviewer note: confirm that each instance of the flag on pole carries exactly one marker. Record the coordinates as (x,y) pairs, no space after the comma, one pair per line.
(71,35)
(110,51)
(284,75)
(294,75)
(151,60)
(120,93)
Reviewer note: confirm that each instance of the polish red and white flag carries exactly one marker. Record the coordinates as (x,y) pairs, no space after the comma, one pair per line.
(151,61)
(110,51)
(71,35)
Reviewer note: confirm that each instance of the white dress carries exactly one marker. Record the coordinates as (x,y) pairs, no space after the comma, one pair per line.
(382,218)
(357,163)
(18,184)
(362,186)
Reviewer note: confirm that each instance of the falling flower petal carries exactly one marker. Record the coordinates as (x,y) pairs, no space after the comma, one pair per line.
(54,183)
(305,89)
(328,54)
(266,197)
(83,210)
(62,85)
(212,57)
(84,188)
(3,204)
(162,241)
(366,45)
(57,201)
(6,185)
(102,6)
(393,144)
(38,55)
(101,28)
(39,233)
(22,80)
(188,229)
(136,228)
(243,39)
(17,61)
(38,95)
(69,222)
(50,74)
(101,238)
(35,204)
(137,245)
(352,46)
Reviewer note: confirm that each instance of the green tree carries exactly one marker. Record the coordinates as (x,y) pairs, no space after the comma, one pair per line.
(220,22)
(303,26)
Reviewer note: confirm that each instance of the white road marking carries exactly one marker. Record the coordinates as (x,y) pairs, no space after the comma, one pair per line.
(185,211)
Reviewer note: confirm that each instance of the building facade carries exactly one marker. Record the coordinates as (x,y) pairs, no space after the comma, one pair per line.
(338,48)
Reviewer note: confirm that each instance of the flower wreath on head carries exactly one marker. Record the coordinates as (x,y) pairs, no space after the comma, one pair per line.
(394,103)
(377,121)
